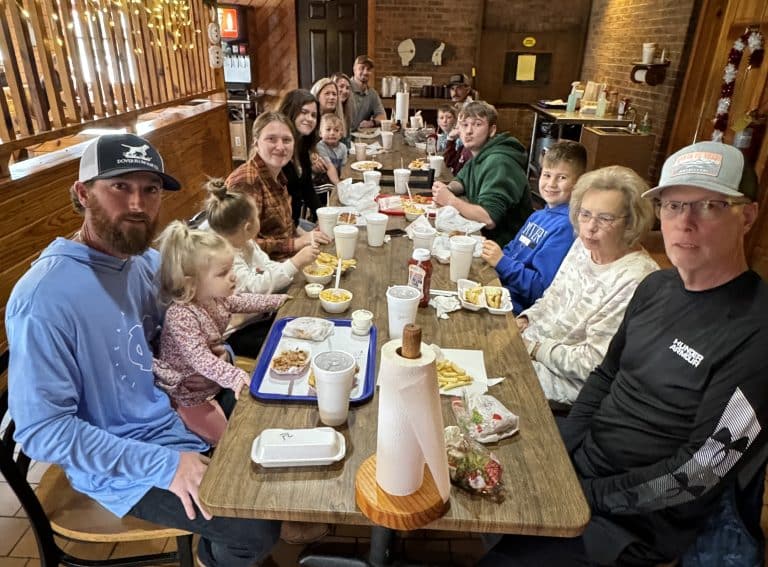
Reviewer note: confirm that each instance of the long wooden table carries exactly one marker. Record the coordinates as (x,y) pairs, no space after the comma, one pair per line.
(544,496)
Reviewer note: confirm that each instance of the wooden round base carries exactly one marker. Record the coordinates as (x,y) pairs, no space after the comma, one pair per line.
(397,512)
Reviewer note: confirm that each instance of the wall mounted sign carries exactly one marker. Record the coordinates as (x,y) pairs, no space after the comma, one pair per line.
(422,50)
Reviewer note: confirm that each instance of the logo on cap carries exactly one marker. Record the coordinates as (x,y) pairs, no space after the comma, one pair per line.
(697,163)
(137,154)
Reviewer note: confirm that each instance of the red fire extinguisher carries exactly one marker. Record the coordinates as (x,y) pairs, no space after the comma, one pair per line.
(749,139)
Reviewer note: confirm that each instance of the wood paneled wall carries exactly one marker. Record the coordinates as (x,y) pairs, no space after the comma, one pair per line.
(37,208)
(70,64)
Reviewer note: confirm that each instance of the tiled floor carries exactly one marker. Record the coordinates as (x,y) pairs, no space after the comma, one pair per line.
(19,549)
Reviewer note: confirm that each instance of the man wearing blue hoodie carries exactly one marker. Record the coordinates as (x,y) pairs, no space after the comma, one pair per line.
(81,391)
(494,181)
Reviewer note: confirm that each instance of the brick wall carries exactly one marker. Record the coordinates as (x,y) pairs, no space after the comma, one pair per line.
(616,34)
(455,23)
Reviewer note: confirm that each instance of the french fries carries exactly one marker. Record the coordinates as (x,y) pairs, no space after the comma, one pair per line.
(450,375)
(473,295)
(327,259)
(493,296)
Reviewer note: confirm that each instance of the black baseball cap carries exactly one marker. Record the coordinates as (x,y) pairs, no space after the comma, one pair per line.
(459,79)
(113,155)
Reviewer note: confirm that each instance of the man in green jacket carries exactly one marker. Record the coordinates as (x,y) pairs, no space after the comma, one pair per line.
(493,182)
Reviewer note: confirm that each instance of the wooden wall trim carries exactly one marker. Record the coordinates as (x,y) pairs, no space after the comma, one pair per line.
(193,149)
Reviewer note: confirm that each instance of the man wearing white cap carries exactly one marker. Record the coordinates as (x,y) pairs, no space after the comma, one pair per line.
(672,424)
(80,324)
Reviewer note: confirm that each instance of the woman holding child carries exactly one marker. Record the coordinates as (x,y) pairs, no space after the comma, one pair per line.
(263,179)
(568,330)
(327,94)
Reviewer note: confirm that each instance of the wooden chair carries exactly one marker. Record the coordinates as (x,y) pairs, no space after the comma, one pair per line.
(57,509)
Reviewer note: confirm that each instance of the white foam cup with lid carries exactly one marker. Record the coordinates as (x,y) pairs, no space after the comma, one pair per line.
(334,373)
(372,177)
(362,321)
(326,219)
(402,175)
(402,306)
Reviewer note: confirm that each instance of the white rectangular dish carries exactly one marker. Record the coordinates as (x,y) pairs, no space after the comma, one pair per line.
(298,447)
(464,285)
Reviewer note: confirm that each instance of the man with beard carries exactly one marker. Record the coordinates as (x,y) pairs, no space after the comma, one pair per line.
(80,323)
(367,111)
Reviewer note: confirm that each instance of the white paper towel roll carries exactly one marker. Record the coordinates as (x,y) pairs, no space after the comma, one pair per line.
(401,108)
(410,430)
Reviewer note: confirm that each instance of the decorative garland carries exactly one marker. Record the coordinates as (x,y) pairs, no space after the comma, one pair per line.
(753,39)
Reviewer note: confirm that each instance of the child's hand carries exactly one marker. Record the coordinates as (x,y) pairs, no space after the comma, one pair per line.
(319,165)
(441,195)
(305,256)
(522,323)
(239,388)
(491,253)
(453,134)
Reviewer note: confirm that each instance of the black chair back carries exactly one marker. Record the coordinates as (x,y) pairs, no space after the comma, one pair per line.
(420,179)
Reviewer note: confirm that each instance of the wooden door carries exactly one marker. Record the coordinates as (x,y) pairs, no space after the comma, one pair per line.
(331,34)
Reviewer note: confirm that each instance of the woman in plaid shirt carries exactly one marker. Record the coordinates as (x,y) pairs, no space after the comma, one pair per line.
(262,178)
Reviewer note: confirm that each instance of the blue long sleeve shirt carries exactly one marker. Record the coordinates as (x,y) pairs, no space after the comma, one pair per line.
(533,256)
(81,388)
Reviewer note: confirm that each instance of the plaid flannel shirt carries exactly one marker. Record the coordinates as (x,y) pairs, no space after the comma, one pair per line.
(274,203)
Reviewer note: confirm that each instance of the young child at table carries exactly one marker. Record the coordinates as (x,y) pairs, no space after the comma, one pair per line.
(528,264)
(446,124)
(198,283)
(235,216)
(330,147)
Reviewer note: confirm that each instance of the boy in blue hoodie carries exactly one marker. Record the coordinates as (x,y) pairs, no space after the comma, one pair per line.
(530,261)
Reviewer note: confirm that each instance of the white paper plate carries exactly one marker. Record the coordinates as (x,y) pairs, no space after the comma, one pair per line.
(298,447)
(473,362)
(367,165)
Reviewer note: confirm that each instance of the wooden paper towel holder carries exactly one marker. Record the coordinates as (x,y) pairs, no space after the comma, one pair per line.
(399,512)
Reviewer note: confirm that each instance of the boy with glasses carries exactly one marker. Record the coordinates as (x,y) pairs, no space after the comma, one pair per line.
(673,420)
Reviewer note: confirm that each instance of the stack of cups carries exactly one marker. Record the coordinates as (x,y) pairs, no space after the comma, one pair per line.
(360,148)
(376,228)
(346,240)
(334,374)
(362,321)
(402,306)
(386,125)
(436,163)
(649,53)
(423,237)
(326,219)
(402,175)
(462,248)
(372,177)
(386,139)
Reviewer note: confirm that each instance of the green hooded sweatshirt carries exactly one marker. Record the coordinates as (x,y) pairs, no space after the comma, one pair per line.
(495,179)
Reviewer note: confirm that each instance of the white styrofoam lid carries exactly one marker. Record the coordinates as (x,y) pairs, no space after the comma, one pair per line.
(298,447)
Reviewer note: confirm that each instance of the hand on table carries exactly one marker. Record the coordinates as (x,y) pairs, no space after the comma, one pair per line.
(186,482)
(367,124)
(441,195)
(491,252)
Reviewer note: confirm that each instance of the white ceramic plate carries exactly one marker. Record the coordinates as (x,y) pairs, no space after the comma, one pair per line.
(298,447)
(367,165)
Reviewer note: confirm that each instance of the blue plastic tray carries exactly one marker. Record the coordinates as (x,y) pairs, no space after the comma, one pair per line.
(300,385)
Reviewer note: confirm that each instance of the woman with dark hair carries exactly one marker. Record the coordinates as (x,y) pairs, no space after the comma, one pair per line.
(303,111)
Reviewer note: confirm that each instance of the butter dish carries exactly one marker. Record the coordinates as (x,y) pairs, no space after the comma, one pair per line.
(298,447)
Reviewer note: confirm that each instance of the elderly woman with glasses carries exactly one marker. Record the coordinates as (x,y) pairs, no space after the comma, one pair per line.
(567,331)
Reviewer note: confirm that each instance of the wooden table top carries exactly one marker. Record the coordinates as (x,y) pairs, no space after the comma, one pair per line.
(544,496)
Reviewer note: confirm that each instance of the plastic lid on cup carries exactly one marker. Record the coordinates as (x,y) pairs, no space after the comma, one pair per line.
(421,254)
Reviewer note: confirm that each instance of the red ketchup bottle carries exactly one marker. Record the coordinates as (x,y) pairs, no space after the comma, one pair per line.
(420,273)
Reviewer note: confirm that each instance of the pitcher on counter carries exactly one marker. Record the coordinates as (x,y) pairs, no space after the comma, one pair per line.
(493,182)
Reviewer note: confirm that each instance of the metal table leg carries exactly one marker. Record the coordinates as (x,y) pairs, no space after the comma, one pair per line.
(381,553)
